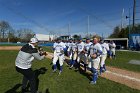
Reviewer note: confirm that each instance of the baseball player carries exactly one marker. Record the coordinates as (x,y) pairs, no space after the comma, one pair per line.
(72,50)
(65,43)
(59,49)
(105,48)
(95,53)
(86,56)
(69,45)
(81,51)
(112,46)
(23,64)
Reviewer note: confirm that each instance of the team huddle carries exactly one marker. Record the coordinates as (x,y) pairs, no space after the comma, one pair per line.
(91,54)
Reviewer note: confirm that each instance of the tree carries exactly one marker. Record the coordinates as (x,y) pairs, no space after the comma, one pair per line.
(4,27)
(124,32)
(25,34)
(8,33)
(115,32)
(76,36)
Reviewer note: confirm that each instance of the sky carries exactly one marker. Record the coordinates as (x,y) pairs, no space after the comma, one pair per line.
(64,17)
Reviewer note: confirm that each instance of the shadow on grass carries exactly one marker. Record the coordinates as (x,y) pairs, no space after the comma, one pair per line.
(47,91)
(13,90)
(78,68)
(82,72)
(37,72)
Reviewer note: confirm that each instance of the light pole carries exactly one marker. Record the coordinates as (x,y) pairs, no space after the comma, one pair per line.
(129,26)
(88,26)
(134,14)
(69,28)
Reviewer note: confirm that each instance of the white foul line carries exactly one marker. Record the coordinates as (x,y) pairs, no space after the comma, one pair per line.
(124,76)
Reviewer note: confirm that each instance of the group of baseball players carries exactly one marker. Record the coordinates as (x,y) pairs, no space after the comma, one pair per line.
(92,54)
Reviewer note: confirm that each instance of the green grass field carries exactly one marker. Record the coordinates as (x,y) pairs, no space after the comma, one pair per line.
(122,59)
(48,49)
(10,44)
(68,82)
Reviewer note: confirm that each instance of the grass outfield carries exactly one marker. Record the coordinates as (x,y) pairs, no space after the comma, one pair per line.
(68,82)
(11,44)
(48,49)
(122,59)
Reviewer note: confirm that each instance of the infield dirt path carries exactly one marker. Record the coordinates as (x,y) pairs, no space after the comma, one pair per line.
(10,47)
(128,78)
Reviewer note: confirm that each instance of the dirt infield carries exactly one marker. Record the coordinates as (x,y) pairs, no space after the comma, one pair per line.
(10,47)
(128,78)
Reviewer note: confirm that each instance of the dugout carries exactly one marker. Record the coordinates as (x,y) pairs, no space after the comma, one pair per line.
(121,43)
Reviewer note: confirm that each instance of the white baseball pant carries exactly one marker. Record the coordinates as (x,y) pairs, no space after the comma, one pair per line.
(58,57)
(94,63)
(103,58)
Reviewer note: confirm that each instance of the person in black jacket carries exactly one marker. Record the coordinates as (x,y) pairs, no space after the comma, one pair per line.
(23,64)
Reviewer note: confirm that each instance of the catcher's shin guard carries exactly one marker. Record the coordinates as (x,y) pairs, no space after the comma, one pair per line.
(95,75)
(54,67)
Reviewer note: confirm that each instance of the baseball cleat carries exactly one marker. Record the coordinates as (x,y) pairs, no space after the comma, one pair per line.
(71,67)
(93,82)
(60,72)
(54,70)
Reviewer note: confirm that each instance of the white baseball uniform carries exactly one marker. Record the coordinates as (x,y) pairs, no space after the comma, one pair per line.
(80,47)
(105,48)
(95,49)
(112,48)
(59,53)
(73,51)
(54,45)
(87,47)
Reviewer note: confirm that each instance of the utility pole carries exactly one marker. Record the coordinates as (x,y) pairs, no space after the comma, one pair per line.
(122,18)
(69,29)
(129,28)
(88,26)
(102,36)
(129,23)
(134,14)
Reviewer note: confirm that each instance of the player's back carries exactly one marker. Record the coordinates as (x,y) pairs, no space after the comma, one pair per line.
(80,46)
(105,48)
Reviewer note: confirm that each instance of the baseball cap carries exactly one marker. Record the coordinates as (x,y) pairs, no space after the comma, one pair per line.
(33,40)
(87,39)
(80,39)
